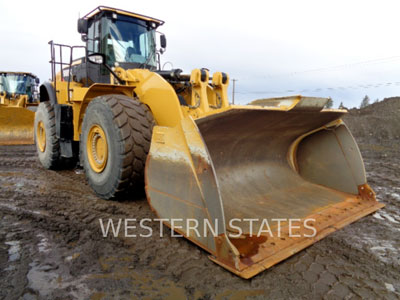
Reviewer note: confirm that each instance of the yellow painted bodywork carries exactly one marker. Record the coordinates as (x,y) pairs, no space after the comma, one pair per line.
(14,101)
(16,120)
(97,148)
(41,136)
(154,91)
(16,125)
(122,12)
(207,162)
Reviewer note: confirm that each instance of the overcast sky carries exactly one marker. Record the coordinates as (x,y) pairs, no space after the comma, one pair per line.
(342,49)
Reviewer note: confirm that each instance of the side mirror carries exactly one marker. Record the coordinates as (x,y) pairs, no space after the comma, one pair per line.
(37,80)
(83,26)
(96,58)
(163,41)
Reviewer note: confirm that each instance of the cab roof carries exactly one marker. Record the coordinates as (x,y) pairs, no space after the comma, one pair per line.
(18,73)
(100,9)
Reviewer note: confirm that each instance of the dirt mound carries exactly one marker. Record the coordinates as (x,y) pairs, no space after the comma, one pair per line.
(376,124)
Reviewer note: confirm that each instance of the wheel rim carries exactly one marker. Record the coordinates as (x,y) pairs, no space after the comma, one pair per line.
(41,136)
(97,148)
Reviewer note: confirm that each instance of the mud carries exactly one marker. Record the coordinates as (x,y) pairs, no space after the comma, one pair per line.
(52,247)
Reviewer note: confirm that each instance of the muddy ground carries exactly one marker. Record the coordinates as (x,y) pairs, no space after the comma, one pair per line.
(51,245)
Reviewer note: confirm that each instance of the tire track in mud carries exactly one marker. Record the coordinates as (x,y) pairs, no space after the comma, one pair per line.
(60,208)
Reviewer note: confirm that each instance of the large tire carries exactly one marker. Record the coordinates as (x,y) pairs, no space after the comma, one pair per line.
(47,144)
(115,140)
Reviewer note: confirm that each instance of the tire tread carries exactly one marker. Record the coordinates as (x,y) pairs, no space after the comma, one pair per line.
(135,123)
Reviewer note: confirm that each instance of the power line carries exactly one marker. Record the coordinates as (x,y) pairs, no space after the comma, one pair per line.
(319,89)
(351,65)
(338,67)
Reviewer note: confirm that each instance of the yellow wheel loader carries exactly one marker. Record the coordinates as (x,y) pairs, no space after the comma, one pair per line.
(252,184)
(18,101)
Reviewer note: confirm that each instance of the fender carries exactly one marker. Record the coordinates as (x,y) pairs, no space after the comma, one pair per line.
(64,121)
(157,94)
(47,93)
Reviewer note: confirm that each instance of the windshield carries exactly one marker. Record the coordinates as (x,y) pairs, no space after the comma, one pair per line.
(15,83)
(129,41)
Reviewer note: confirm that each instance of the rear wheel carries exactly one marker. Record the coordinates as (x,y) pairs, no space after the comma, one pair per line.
(46,141)
(115,140)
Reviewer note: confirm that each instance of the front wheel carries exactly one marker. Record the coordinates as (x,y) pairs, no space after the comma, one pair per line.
(115,140)
(47,144)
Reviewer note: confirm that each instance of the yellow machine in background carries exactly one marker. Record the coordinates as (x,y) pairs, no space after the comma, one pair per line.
(18,100)
(201,159)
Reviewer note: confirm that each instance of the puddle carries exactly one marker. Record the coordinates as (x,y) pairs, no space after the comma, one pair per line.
(396,196)
(10,268)
(384,251)
(72,257)
(23,210)
(384,216)
(43,245)
(378,216)
(390,287)
(14,250)
(45,279)
(41,279)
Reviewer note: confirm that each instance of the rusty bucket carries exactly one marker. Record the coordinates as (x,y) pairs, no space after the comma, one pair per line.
(223,179)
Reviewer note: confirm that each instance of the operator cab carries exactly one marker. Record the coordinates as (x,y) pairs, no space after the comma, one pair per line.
(14,84)
(125,39)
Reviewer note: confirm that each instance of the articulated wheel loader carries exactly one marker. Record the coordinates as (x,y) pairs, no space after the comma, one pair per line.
(229,169)
(18,100)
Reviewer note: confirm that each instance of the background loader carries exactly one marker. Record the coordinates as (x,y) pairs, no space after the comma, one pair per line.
(200,158)
(18,100)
